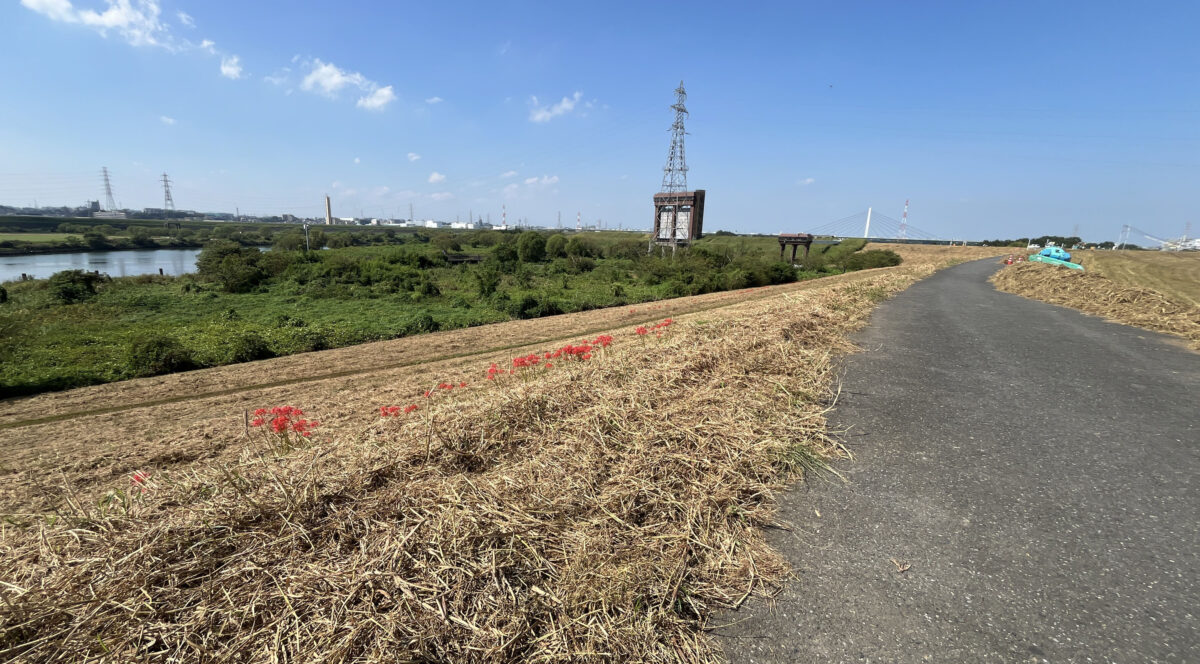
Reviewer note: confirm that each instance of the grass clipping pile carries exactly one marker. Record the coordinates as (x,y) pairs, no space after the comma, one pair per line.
(598,512)
(1094,294)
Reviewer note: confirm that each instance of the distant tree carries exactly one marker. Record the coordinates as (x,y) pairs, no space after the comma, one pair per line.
(724,233)
(487,279)
(531,247)
(96,240)
(339,241)
(231,265)
(577,246)
(290,241)
(556,246)
(446,242)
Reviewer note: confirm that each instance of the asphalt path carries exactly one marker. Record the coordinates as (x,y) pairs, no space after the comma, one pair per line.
(1035,472)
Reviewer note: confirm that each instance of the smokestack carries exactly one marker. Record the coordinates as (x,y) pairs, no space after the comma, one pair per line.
(328,212)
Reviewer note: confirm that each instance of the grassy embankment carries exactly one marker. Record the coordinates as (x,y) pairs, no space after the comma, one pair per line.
(1152,290)
(1174,274)
(251,306)
(601,510)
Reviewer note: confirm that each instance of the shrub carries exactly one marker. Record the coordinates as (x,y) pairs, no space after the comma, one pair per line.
(231,265)
(3,295)
(870,259)
(71,286)
(156,354)
(531,247)
(577,246)
(420,324)
(556,246)
(247,347)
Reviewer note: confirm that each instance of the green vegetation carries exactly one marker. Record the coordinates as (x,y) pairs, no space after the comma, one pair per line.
(77,328)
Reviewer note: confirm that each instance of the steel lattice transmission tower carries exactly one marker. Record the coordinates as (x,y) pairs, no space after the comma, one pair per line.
(168,201)
(109,203)
(675,172)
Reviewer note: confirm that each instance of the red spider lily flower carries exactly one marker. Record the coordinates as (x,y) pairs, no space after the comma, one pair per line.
(586,356)
(256,422)
(260,412)
(641,330)
(410,408)
(428,392)
(549,365)
(463,384)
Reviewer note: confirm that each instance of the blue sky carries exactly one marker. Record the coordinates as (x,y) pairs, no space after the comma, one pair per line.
(995,119)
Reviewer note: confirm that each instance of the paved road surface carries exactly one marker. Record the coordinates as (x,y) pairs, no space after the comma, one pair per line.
(1038,469)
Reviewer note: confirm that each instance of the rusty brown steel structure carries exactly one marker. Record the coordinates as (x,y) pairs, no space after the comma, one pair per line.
(678,218)
(795,240)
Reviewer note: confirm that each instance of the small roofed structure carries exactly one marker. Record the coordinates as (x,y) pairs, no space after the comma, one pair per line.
(678,218)
(795,240)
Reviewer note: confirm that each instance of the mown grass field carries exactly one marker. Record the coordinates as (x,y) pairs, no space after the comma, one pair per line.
(600,510)
(1175,274)
(35,237)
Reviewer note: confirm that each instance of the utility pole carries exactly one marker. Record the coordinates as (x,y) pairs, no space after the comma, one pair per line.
(867,230)
(328,212)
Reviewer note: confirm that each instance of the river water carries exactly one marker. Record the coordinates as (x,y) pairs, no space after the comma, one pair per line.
(113,263)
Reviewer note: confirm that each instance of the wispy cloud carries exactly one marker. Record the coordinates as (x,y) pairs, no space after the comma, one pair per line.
(436,177)
(413,156)
(278,78)
(540,113)
(505,47)
(357,160)
(327,79)
(185,19)
(434,100)
(208,46)
(231,67)
(377,100)
(806,181)
(511,190)
(166,120)
(543,181)
(136,21)
(508,174)
(442,196)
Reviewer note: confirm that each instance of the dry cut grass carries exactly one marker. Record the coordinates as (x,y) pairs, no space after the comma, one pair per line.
(598,512)
(1096,294)
(1175,274)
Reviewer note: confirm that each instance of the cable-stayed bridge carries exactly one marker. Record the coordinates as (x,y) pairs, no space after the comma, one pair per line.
(873,226)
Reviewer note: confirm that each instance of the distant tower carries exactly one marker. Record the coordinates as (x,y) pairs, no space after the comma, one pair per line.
(578,221)
(410,213)
(168,201)
(109,203)
(560,218)
(904,222)
(503,216)
(675,172)
(328,212)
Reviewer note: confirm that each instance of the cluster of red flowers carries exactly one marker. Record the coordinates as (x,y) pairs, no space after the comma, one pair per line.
(582,351)
(445,386)
(284,419)
(385,411)
(657,328)
(140,480)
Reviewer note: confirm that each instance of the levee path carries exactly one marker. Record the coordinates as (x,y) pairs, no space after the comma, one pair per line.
(1025,488)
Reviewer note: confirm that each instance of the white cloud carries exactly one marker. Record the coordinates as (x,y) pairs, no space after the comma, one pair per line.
(278,78)
(508,174)
(356,160)
(547,113)
(209,46)
(185,19)
(436,177)
(413,156)
(231,67)
(136,21)
(442,196)
(327,79)
(532,180)
(806,181)
(434,100)
(166,120)
(511,190)
(544,181)
(378,99)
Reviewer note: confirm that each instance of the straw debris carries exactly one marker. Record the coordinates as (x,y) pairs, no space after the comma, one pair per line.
(1095,294)
(596,512)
